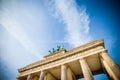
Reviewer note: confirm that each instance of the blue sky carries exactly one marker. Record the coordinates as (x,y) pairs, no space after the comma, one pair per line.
(29,28)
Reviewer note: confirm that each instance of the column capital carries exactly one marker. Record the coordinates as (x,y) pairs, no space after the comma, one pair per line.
(82,59)
(104,52)
(64,65)
(43,71)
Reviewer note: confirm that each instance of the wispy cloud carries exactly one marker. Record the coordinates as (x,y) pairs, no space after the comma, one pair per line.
(23,27)
(75,19)
(17,31)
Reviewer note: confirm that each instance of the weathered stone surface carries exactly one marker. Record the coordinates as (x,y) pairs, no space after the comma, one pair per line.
(87,60)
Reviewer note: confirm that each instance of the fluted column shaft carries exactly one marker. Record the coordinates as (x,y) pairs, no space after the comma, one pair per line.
(63,72)
(70,74)
(42,75)
(86,70)
(112,69)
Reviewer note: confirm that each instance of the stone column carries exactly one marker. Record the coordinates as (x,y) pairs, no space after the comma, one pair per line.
(63,72)
(110,66)
(42,75)
(29,77)
(70,74)
(86,70)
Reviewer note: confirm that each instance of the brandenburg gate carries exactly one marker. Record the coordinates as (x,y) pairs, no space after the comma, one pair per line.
(81,62)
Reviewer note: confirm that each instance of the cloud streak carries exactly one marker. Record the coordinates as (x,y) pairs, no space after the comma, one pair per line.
(16,30)
(74,18)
